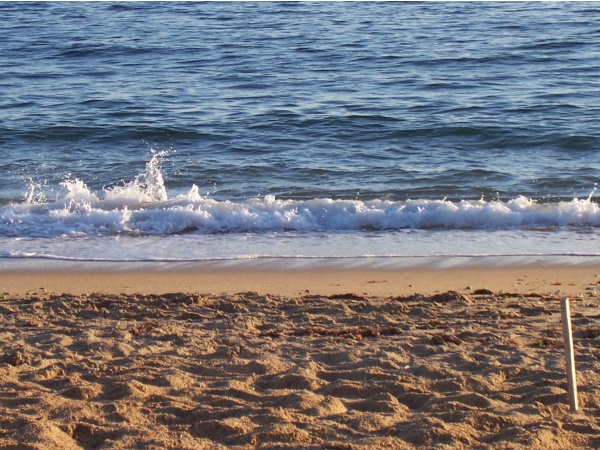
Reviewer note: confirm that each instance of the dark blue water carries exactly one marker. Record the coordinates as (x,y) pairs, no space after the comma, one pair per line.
(163,119)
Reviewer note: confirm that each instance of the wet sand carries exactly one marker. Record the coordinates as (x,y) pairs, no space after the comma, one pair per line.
(298,277)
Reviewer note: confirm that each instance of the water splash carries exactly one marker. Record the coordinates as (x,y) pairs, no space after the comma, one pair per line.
(34,193)
(148,187)
(589,199)
(78,198)
(151,183)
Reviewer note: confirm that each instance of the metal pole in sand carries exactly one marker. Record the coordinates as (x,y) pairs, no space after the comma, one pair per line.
(569,354)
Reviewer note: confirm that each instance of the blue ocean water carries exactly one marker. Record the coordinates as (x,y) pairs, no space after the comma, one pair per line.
(198,131)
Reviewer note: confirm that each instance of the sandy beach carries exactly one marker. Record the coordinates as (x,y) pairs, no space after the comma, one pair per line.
(200,358)
(299,225)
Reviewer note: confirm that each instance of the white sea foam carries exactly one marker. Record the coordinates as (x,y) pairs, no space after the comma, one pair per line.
(81,212)
(143,207)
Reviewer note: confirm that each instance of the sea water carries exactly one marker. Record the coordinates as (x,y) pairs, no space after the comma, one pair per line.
(190,132)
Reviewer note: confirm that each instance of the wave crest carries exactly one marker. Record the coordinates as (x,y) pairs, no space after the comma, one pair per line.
(142,207)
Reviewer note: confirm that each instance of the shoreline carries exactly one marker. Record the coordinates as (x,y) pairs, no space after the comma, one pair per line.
(572,276)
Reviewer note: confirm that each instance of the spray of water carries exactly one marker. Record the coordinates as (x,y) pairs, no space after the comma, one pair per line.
(34,193)
(148,187)
(589,199)
(151,183)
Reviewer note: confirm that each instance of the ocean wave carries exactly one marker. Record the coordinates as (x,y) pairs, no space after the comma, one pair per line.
(143,207)
(193,214)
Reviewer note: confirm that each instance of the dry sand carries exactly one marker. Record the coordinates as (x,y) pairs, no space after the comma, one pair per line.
(309,359)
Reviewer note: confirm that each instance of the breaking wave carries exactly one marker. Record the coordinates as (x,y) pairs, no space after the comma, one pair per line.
(143,207)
